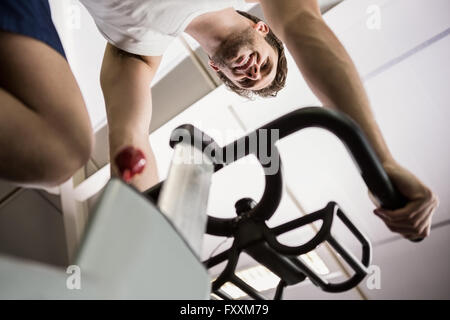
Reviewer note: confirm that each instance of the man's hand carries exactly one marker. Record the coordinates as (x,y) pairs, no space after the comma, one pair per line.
(414,220)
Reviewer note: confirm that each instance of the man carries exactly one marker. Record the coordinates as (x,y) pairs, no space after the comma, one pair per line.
(136,43)
(248,57)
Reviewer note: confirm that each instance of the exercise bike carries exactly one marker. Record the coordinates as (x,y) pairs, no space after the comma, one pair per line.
(249,229)
(132,246)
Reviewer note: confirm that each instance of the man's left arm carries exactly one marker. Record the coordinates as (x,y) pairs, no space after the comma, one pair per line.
(332,76)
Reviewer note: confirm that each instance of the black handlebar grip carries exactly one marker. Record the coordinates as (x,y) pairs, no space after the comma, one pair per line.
(355,141)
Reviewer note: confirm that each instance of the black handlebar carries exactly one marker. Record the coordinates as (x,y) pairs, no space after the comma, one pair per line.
(353,138)
(249,230)
(356,142)
(339,124)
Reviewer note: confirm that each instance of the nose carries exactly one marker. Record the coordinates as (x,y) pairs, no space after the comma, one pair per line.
(253,72)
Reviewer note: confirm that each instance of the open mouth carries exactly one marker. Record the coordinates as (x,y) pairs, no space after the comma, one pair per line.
(244,62)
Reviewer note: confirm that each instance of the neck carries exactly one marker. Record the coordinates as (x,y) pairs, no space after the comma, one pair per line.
(212,28)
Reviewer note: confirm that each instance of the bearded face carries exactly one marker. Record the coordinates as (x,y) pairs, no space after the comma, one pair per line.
(246,59)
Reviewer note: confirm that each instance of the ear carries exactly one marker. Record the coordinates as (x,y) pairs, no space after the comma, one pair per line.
(212,65)
(261,27)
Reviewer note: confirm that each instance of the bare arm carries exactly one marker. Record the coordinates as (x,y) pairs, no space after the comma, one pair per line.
(332,76)
(125,81)
(324,63)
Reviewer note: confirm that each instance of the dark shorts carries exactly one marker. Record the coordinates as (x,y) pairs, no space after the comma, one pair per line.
(30,18)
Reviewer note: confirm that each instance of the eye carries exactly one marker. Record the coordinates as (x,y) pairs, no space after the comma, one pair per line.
(265,65)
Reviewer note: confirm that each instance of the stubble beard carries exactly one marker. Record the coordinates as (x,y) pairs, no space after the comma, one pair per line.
(229,49)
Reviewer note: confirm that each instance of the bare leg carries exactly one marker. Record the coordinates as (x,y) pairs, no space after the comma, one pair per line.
(45,132)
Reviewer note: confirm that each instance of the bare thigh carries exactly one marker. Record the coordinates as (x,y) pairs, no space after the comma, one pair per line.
(45,131)
(42,80)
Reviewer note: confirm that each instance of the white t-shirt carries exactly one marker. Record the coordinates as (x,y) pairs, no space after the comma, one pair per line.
(146,27)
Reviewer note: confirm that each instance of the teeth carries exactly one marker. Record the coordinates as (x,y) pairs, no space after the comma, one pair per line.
(244,62)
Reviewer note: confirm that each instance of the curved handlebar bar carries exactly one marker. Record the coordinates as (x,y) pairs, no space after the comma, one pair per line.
(250,230)
(336,122)
(356,142)
(353,138)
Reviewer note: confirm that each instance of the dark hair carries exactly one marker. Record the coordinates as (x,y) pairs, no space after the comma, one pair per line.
(280,78)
